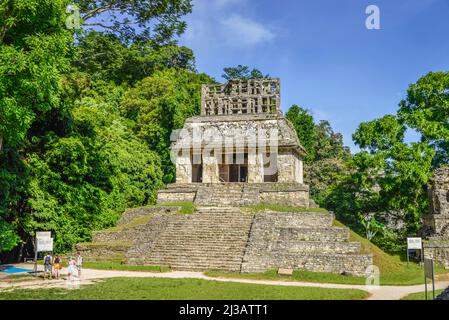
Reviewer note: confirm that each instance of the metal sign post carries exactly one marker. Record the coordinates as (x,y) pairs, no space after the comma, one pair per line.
(429,274)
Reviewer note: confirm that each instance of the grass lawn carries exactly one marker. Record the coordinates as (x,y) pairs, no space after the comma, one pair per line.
(117,265)
(422,295)
(182,289)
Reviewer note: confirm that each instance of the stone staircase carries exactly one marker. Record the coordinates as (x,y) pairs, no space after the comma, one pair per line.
(307,241)
(226,194)
(140,225)
(225,238)
(213,239)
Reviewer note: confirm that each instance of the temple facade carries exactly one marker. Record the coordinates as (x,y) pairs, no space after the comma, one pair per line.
(241,138)
(240,151)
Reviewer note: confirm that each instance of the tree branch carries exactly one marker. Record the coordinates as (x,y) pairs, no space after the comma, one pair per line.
(99,24)
(92,13)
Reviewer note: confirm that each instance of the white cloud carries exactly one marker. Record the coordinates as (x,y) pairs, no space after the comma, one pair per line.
(224,3)
(215,26)
(242,31)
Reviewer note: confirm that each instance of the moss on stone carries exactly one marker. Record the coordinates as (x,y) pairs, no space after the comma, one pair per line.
(183,207)
(138,221)
(110,244)
(280,208)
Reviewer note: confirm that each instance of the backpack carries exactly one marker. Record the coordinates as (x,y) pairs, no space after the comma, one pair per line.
(47,260)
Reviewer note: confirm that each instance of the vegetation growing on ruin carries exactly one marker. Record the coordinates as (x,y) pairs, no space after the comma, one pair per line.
(184,207)
(117,265)
(279,208)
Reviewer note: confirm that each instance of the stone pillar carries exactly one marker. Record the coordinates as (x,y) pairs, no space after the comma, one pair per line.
(299,171)
(183,169)
(210,170)
(255,167)
(286,167)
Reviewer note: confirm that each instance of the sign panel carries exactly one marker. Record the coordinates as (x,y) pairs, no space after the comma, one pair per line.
(43,234)
(44,244)
(428,268)
(414,243)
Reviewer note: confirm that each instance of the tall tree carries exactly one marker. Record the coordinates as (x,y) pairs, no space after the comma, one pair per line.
(34,51)
(105,57)
(136,20)
(242,72)
(160,104)
(302,120)
(426,110)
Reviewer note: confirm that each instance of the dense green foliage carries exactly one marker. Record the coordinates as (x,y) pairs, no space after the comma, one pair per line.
(136,20)
(305,128)
(392,173)
(327,157)
(242,72)
(34,51)
(159,104)
(105,57)
(85,125)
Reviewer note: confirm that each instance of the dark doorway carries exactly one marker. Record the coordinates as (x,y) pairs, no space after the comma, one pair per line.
(243,173)
(197,173)
(233,173)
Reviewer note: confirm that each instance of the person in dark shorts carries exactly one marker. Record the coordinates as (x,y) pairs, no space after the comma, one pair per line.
(48,265)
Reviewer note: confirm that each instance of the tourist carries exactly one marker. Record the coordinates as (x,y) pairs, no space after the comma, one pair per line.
(79,263)
(47,265)
(71,268)
(57,266)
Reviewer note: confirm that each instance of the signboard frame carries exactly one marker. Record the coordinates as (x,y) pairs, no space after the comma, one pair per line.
(414,243)
(429,273)
(43,235)
(44,244)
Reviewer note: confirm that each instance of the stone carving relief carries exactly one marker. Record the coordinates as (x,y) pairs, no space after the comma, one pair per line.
(241,97)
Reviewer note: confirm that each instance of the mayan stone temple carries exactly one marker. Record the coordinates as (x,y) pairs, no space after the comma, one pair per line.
(238,153)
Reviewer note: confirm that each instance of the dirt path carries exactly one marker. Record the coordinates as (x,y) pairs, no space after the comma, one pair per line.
(90,275)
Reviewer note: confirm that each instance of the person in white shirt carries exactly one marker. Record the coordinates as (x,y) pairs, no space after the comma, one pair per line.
(79,263)
(71,268)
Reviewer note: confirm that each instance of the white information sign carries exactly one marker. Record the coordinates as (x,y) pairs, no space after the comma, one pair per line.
(44,244)
(43,234)
(414,243)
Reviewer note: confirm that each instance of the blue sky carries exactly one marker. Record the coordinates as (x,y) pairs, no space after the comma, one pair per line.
(327,60)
